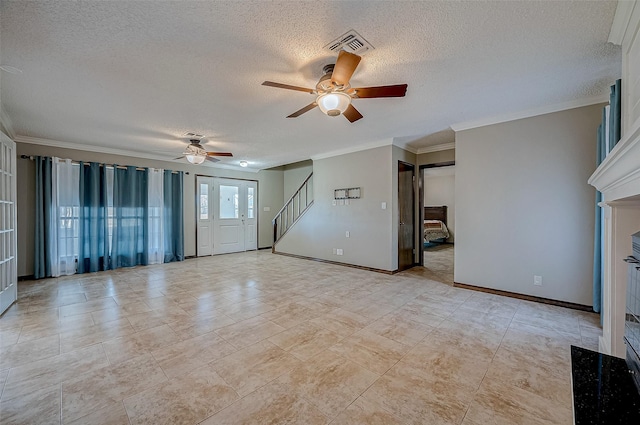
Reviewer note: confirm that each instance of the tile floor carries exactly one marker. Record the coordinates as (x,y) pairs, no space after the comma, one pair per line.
(439,260)
(257,338)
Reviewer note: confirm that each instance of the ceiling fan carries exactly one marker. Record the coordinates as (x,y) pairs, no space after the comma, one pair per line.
(196,154)
(334,94)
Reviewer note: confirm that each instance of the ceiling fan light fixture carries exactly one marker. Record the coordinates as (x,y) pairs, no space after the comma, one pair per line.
(196,159)
(334,103)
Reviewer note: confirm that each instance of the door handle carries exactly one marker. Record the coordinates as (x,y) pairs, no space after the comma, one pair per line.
(401,223)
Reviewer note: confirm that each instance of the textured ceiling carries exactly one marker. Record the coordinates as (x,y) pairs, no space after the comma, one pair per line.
(135,76)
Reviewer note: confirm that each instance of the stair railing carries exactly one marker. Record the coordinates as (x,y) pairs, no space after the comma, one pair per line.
(293,209)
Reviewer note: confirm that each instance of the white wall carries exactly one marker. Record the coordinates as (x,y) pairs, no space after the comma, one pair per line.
(523,205)
(323,227)
(439,189)
(270,194)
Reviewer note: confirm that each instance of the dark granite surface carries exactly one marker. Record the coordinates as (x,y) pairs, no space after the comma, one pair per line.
(603,389)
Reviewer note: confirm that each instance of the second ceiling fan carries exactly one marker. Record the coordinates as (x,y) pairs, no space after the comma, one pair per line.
(334,93)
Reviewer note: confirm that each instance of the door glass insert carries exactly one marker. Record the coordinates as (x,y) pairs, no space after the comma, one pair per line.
(204,201)
(250,202)
(228,201)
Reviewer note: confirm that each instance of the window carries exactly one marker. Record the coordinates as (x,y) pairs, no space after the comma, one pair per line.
(204,201)
(68,232)
(250,202)
(228,202)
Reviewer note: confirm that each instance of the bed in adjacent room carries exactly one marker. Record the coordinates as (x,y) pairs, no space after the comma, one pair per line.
(435,225)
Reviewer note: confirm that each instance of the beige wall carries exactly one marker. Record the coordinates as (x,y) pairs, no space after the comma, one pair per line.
(323,227)
(294,176)
(270,194)
(523,205)
(436,157)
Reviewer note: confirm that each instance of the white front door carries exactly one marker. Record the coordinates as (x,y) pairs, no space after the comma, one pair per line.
(227,215)
(8,241)
(204,225)
(235,216)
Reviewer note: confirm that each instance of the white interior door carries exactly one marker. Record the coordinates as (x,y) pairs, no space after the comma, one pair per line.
(235,215)
(8,240)
(204,225)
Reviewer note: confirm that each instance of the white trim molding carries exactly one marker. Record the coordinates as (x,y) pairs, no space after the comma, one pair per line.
(621,20)
(437,148)
(618,176)
(122,152)
(578,103)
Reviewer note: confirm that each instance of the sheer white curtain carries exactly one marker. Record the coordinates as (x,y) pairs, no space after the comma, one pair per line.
(156,216)
(66,197)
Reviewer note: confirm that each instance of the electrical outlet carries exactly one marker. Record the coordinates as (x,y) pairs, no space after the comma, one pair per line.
(339,251)
(346,234)
(537,280)
(383,205)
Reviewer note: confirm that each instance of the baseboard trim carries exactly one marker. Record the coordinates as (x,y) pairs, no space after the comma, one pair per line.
(27,277)
(542,300)
(337,263)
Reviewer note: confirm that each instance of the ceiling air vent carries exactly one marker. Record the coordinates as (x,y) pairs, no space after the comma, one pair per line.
(351,42)
(191,135)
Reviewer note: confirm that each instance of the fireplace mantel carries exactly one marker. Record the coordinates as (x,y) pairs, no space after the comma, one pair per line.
(618,178)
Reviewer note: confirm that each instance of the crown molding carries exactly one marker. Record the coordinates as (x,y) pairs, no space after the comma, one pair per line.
(122,152)
(352,149)
(405,146)
(579,103)
(437,148)
(621,20)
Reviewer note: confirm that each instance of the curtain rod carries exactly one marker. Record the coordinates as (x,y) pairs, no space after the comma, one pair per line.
(122,167)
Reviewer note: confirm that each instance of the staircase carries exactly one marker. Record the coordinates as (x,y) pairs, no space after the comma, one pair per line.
(292,210)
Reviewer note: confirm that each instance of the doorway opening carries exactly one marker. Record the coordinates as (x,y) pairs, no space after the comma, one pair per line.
(438,221)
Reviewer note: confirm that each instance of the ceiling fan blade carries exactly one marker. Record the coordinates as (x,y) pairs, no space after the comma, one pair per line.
(352,114)
(303,110)
(219,154)
(287,86)
(212,159)
(180,157)
(398,90)
(344,68)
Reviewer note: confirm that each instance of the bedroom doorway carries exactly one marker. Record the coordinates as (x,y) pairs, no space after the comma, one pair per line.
(438,216)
